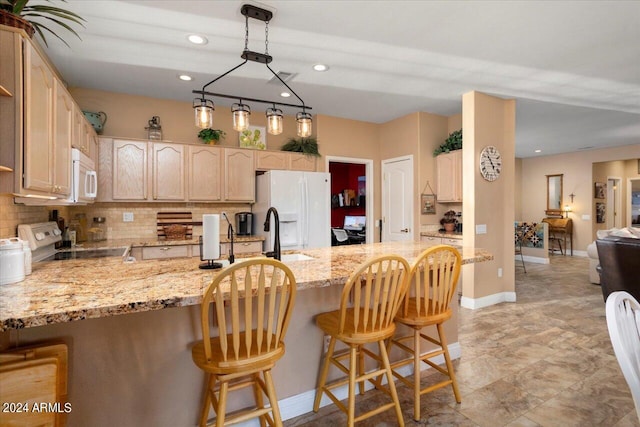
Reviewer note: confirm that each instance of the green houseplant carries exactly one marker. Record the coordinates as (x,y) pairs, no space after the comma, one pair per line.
(452,143)
(32,17)
(208,135)
(449,221)
(308,146)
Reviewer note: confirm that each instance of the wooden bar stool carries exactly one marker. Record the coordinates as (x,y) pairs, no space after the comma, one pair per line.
(257,319)
(434,277)
(376,288)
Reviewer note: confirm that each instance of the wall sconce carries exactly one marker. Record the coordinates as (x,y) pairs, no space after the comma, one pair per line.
(154,129)
(567,209)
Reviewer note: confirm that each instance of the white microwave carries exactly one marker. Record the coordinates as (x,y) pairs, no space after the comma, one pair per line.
(84,184)
(84,179)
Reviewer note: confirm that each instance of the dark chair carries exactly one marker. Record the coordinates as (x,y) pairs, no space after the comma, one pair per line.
(619,265)
(339,237)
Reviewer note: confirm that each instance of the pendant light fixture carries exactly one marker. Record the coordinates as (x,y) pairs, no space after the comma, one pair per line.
(274,121)
(204,107)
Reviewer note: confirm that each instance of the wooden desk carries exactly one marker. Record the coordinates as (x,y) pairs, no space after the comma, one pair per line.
(561,228)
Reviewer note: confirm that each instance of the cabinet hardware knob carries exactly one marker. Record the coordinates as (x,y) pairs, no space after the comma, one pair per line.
(165,248)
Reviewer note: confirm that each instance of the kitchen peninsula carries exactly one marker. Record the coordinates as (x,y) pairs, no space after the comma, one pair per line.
(137,369)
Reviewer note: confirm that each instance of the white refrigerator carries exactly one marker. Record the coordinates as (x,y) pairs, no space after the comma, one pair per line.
(303,202)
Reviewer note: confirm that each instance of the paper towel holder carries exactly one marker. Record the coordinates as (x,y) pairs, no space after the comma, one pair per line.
(209,264)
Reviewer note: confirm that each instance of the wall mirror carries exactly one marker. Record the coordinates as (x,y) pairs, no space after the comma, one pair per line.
(554,195)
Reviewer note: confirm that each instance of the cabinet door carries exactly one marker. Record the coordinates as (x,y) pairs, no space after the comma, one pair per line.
(204,173)
(64,109)
(80,137)
(449,175)
(431,240)
(301,162)
(129,170)
(168,172)
(239,185)
(268,160)
(38,122)
(92,141)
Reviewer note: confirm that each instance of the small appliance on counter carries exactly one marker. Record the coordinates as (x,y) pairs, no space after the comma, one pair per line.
(244,223)
(12,261)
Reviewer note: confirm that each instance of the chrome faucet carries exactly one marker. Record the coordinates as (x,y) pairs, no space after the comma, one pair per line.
(232,257)
(275,253)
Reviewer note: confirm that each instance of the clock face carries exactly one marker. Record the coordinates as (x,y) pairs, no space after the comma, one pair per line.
(490,163)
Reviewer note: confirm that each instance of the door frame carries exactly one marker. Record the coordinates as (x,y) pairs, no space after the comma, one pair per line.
(369,194)
(411,199)
(629,203)
(614,202)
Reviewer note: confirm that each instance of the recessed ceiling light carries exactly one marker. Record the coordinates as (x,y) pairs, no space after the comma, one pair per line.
(321,67)
(185,77)
(285,94)
(197,39)
(538,151)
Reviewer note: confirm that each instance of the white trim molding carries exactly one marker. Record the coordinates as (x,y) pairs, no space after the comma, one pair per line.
(475,303)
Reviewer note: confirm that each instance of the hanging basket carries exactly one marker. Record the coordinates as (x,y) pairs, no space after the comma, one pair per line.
(11,20)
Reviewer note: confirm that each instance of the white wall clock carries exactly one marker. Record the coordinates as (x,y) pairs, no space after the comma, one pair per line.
(490,163)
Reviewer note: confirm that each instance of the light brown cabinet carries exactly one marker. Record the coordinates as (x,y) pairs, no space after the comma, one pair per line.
(38,122)
(239,175)
(449,176)
(130,172)
(279,160)
(204,173)
(62,137)
(168,174)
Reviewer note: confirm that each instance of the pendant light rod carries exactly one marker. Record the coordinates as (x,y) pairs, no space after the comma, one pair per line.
(244,98)
(222,75)
(292,91)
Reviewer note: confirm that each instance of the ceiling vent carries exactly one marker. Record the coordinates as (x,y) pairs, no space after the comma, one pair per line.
(285,76)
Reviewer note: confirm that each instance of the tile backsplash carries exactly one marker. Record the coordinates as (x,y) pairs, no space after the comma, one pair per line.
(143,225)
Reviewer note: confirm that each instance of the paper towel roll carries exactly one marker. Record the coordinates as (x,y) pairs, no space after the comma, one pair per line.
(210,236)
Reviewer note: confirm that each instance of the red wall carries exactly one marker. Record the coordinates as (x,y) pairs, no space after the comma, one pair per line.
(345,176)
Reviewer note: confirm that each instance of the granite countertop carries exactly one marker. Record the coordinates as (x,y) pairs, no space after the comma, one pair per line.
(446,235)
(76,289)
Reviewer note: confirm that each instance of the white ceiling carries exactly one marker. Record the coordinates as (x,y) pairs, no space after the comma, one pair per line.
(574,67)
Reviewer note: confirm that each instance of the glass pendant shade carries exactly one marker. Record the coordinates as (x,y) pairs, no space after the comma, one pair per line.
(274,121)
(203,113)
(241,113)
(304,124)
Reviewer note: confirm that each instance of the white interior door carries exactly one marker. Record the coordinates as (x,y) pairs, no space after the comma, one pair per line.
(397,199)
(614,199)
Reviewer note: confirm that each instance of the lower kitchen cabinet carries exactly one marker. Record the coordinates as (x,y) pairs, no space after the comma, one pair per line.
(437,240)
(191,250)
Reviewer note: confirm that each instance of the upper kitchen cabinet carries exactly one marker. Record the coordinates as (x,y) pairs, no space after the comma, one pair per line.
(168,174)
(130,171)
(239,175)
(282,160)
(204,173)
(37,122)
(449,176)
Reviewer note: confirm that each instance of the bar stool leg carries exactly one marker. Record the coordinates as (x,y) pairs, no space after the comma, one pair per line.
(447,359)
(351,413)
(207,400)
(323,374)
(222,404)
(416,375)
(271,394)
(360,370)
(392,386)
(257,392)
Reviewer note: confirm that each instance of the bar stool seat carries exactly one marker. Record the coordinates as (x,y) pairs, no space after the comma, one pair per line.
(376,288)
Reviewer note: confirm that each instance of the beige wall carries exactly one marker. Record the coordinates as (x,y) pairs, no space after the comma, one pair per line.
(517,197)
(577,169)
(488,120)
(12,215)
(128,115)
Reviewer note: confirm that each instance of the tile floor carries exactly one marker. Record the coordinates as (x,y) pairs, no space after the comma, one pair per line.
(545,360)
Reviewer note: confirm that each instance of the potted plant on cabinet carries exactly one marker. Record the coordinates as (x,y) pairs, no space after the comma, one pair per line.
(19,14)
(211,135)
(449,221)
(452,143)
(308,146)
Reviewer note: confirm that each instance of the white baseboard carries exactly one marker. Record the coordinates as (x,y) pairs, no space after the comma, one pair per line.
(533,259)
(302,403)
(580,253)
(474,303)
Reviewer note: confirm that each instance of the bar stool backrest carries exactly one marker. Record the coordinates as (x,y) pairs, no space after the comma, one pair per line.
(377,287)
(254,296)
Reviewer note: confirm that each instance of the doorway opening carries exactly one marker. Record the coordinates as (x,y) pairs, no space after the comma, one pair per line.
(614,203)
(633,200)
(351,198)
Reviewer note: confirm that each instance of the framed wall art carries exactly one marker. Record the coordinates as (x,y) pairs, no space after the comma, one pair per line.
(600,213)
(428,203)
(254,137)
(600,190)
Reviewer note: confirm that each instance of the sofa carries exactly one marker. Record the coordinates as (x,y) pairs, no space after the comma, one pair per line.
(619,264)
(592,252)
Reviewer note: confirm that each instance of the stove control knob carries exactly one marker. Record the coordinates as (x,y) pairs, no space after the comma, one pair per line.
(39,236)
(56,232)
